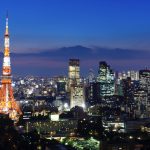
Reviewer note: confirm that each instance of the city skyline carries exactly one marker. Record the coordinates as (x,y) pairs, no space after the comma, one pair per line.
(93,31)
(74,75)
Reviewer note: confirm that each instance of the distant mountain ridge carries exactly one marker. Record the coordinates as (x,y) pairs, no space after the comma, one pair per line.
(55,62)
(81,52)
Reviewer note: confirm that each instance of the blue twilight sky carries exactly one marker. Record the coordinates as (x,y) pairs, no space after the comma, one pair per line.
(37,26)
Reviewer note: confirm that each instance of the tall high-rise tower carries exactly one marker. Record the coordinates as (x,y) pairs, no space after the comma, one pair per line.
(8,105)
(74,72)
(106,80)
(76,88)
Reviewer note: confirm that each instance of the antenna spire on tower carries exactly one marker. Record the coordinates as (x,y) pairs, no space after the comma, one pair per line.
(6,32)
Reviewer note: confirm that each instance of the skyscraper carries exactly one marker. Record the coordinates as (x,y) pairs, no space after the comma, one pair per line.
(76,88)
(134,75)
(142,94)
(74,72)
(144,76)
(106,79)
(8,104)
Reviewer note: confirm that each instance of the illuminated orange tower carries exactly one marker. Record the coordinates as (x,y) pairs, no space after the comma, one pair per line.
(8,105)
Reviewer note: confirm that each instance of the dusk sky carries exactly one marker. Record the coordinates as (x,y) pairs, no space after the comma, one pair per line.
(44,34)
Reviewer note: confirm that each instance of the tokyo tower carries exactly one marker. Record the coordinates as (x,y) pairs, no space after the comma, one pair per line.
(8,105)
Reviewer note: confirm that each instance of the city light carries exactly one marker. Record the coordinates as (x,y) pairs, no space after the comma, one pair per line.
(76,76)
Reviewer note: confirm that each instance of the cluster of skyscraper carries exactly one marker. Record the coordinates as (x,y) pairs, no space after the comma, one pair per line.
(131,88)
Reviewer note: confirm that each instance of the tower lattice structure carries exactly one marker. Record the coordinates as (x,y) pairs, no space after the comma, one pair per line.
(8,105)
